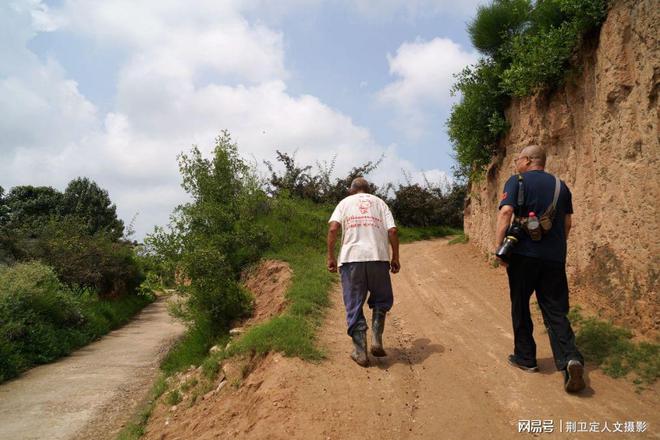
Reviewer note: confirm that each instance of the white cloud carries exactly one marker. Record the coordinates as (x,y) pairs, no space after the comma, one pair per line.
(181,38)
(426,73)
(41,108)
(387,9)
(191,70)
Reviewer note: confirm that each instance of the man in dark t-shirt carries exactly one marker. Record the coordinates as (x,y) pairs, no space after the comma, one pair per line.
(540,266)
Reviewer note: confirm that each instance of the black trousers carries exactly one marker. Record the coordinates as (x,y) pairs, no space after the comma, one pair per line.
(548,280)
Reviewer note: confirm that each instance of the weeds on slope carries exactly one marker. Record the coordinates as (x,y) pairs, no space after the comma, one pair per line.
(613,350)
(42,319)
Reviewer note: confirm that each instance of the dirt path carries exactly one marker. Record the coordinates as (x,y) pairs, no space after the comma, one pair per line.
(446,376)
(91,393)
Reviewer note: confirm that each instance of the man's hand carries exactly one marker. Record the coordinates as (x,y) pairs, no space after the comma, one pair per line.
(333,230)
(393,237)
(395,266)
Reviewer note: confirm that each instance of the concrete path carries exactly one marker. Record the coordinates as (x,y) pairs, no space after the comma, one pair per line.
(93,392)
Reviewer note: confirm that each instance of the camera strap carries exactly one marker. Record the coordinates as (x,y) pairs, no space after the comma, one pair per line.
(550,212)
(521,197)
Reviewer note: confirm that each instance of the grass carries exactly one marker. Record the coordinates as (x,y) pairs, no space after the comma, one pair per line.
(612,348)
(191,349)
(173,397)
(46,341)
(409,234)
(294,332)
(297,229)
(135,428)
(461,238)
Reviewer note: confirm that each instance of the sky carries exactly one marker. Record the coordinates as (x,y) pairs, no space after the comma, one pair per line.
(114,90)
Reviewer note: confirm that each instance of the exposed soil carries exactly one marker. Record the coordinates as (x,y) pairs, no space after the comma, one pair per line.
(445,375)
(601,132)
(92,393)
(268,282)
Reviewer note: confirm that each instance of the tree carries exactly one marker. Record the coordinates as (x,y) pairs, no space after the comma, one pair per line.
(84,199)
(80,259)
(7,245)
(31,206)
(4,209)
(216,234)
(300,182)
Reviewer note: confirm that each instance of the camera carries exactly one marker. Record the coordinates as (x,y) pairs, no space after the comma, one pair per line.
(512,237)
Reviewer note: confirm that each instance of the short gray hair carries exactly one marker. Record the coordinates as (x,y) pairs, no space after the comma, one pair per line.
(360,184)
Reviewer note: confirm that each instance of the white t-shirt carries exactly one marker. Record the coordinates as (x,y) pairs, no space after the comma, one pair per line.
(365,220)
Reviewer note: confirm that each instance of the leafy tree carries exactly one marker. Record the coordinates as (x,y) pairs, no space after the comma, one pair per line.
(7,246)
(477,122)
(215,235)
(415,206)
(299,181)
(84,199)
(339,189)
(82,260)
(4,209)
(295,180)
(452,204)
(31,206)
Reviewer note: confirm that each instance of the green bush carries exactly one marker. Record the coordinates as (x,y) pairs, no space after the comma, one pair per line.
(41,319)
(300,182)
(527,48)
(214,236)
(497,22)
(414,205)
(539,60)
(94,261)
(477,122)
(76,232)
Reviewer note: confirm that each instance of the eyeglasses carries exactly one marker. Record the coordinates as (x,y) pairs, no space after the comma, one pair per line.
(521,157)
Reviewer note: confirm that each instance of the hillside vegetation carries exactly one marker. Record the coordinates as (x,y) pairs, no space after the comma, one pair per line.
(67,274)
(235,218)
(526,47)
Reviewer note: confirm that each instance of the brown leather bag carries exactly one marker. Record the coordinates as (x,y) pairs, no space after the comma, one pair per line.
(549,214)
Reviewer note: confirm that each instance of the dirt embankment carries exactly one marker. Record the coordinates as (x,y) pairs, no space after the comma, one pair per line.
(445,376)
(601,133)
(268,283)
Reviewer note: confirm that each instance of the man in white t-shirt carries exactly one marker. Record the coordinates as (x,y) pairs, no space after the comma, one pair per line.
(368,230)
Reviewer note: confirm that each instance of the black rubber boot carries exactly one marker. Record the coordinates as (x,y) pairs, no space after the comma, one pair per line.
(377,327)
(574,377)
(359,354)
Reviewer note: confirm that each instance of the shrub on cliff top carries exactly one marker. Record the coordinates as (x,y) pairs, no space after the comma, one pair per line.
(527,48)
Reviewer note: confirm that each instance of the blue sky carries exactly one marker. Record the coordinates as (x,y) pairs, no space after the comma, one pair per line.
(115,90)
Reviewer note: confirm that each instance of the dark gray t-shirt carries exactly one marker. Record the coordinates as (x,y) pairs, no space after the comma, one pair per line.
(539,188)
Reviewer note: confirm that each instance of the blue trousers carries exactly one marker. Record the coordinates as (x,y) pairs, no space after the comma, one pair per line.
(356,280)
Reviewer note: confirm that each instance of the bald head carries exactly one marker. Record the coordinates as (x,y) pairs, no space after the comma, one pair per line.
(536,155)
(359,184)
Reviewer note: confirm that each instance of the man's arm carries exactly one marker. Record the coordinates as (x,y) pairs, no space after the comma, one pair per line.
(503,222)
(568,223)
(393,236)
(333,230)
